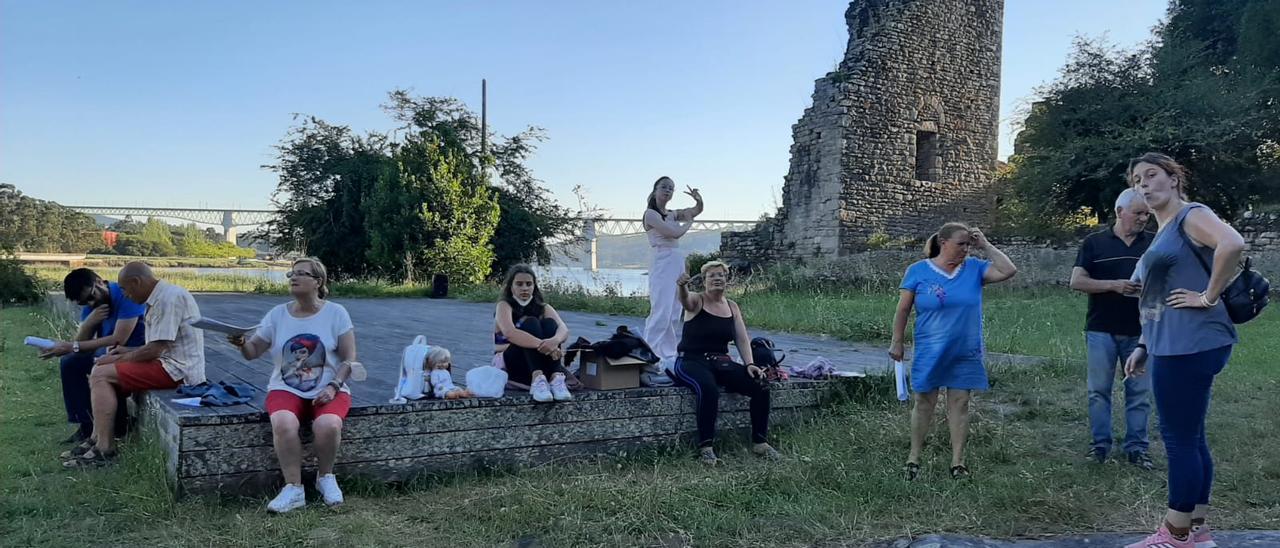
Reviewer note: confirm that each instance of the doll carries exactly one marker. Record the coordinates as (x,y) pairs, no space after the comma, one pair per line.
(439,368)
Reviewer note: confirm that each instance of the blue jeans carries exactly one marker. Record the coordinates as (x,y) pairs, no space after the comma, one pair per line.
(1104,352)
(1183,388)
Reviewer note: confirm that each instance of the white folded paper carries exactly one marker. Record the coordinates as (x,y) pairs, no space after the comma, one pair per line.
(42,344)
(900,378)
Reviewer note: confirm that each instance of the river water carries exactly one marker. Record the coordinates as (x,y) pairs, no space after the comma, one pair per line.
(621,281)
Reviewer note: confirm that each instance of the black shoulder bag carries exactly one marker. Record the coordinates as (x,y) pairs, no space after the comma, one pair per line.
(1246,294)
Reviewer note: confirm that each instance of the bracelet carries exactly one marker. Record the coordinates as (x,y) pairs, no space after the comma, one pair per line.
(750,365)
(1205,301)
(1143,346)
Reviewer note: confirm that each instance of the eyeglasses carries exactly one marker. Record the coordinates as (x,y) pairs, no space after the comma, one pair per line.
(293,273)
(87,297)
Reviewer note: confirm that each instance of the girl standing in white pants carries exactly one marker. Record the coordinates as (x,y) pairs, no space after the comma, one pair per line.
(667,262)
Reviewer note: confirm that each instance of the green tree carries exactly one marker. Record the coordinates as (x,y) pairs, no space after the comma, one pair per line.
(530,220)
(326,173)
(416,202)
(1204,90)
(28,224)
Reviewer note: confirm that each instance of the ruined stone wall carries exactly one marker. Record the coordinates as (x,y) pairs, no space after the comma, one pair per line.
(920,68)
(900,138)
(1260,230)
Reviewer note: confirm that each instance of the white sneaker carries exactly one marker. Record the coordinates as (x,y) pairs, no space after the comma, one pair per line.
(540,391)
(291,497)
(559,391)
(327,485)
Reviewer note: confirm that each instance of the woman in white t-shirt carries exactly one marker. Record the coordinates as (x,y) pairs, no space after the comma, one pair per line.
(313,345)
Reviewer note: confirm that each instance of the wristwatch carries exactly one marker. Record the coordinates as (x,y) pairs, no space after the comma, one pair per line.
(336,385)
(75,347)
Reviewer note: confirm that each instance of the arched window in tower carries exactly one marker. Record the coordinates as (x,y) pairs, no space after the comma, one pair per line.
(930,119)
(928,156)
(863,22)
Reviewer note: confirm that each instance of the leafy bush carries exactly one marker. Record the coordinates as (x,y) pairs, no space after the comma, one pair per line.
(695,260)
(141,246)
(17,286)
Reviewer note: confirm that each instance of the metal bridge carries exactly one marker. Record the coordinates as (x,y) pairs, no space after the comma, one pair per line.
(231,219)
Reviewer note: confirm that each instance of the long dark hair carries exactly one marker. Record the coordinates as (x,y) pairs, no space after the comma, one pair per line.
(653,199)
(535,306)
(933,246)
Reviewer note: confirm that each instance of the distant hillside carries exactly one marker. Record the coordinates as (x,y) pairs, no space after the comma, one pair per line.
(632,251)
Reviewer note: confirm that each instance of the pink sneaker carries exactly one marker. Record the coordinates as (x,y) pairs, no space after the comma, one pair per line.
(1163,539)
(1201,536)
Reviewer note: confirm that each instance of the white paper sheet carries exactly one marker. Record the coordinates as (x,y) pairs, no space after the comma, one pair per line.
(215,325)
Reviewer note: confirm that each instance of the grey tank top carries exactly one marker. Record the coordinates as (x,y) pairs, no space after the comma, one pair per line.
(1167,265)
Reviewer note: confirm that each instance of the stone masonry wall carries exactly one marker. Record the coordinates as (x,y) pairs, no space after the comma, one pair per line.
(1260,230)
(926,69)
(920,67)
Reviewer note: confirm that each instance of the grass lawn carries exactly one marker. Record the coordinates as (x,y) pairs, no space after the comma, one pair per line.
(842,484)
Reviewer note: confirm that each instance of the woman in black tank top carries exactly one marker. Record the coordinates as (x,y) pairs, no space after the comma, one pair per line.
(704,365)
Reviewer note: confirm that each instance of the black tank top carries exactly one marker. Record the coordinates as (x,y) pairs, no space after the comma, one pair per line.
(706,333)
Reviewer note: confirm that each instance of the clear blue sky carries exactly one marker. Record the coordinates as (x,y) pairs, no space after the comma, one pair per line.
(178,104)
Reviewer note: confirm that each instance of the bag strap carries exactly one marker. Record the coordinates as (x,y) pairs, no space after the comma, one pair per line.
(1192,244)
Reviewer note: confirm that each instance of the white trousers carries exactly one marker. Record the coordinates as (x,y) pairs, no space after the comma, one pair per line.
(662,328)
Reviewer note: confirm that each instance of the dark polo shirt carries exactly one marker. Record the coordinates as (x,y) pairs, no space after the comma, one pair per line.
(1106,257)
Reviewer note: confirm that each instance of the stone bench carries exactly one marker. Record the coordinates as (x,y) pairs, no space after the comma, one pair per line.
(229,451)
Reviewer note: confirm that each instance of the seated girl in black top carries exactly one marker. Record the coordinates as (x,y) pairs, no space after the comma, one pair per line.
(703,364)
(528,333)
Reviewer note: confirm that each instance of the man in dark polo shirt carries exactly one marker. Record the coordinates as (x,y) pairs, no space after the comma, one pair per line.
(1103,268)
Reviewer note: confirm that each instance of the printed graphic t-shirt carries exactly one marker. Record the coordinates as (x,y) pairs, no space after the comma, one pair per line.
(304,350)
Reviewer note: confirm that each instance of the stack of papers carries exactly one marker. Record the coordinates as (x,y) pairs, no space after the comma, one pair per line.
(215,325)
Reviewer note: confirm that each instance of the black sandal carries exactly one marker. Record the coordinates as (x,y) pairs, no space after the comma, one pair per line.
(913,470)
(78,450)
(959,471)
(92,458)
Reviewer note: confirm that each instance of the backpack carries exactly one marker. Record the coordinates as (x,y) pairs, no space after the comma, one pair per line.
(765,356)
(412,384)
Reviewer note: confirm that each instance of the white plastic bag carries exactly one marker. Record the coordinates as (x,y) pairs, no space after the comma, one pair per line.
(412,384)
(487,381)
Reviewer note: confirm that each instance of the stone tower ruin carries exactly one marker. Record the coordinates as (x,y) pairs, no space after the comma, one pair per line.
(901,137)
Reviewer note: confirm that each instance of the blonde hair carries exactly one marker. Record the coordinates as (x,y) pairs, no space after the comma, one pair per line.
(439,354)
(317,268)
(713,264)
(933,246)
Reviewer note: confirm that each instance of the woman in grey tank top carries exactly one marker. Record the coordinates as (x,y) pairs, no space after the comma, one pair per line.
(1187,334)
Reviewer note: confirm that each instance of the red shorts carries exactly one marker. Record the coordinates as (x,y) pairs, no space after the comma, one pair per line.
(139,376)
(284,400)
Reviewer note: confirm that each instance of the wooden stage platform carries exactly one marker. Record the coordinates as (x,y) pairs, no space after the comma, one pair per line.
(228,449)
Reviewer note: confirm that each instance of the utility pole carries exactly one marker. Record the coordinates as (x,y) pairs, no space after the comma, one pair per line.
(484,117)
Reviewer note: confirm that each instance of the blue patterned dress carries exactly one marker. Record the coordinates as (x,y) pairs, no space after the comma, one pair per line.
(948,332)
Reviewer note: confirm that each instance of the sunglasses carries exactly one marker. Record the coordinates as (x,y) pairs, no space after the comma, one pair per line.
(293,273)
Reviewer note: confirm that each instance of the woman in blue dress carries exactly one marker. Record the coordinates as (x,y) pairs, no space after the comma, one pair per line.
(945,289)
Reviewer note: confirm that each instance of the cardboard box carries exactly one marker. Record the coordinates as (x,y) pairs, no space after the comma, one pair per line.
(600,373)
